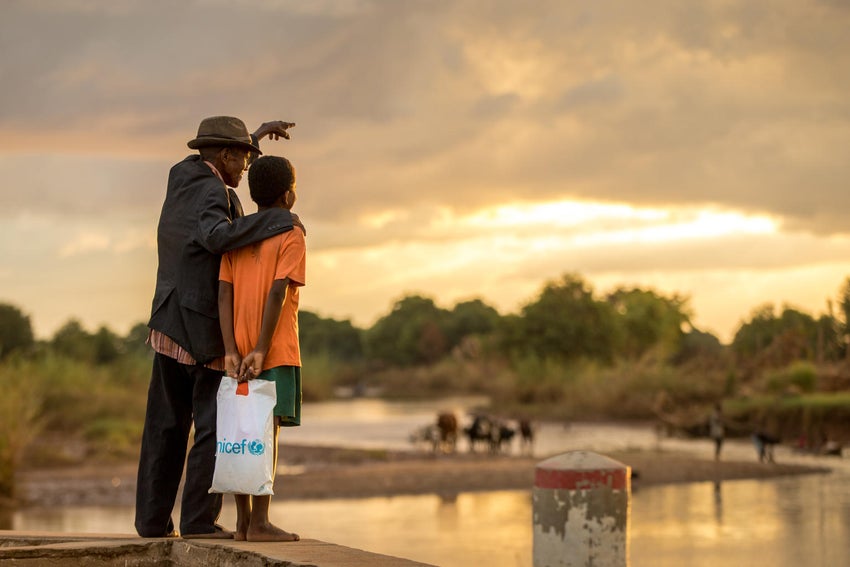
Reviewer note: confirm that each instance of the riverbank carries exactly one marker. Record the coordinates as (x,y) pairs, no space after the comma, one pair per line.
(310,472)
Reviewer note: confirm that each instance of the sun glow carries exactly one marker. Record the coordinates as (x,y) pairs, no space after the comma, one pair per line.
(561,213)
(702,225)
(604,223)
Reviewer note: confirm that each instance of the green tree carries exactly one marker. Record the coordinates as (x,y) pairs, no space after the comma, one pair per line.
(339,339)
(470,318)
(105,346)
(768,340)
(800,333)
(830,344)
(755,335)
(73,341)
(699,345)
(844,315)
(648,320)
(566,323)
(414,332)
(15,330)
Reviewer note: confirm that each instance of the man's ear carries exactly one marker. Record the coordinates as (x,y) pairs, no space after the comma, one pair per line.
(219,158)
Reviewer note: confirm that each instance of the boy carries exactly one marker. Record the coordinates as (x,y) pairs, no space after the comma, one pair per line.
(258,309)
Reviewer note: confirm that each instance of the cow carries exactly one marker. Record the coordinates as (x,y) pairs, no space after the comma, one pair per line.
(478,431)
(447,432)
(428,434)
(492,432)
(500,434)
(440,435)
(526,431)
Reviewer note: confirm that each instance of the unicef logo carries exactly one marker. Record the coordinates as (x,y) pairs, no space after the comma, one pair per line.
(256,447)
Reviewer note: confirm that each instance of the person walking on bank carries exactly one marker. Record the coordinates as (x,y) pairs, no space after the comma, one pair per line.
(716,429)
(201,219)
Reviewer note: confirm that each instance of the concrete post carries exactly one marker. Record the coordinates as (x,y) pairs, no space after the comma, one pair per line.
(581,511)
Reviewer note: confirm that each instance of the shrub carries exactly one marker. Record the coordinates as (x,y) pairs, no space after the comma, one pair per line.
(20,405)
(798,377)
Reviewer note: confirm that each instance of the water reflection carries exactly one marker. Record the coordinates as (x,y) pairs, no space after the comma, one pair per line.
(781,522)
(784,522)
(718,502)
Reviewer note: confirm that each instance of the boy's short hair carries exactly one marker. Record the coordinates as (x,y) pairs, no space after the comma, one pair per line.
(268,178)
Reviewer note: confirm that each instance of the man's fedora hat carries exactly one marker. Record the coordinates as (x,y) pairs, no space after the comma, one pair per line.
(223,131)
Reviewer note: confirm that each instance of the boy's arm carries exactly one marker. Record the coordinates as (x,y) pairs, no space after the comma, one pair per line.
(252,364)
(225,317)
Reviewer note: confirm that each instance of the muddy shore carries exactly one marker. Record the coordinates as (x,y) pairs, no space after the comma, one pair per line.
(322,472)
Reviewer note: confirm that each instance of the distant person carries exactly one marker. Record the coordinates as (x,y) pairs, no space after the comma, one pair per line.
(201,219)
(716,429)
(258,309)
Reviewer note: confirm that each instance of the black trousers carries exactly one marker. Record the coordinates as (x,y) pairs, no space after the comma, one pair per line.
(178,394)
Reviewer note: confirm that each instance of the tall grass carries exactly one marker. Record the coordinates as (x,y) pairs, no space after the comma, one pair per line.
(98,407)
(587,390)
(321,374)
(449,377)
(21,402)
(810,417)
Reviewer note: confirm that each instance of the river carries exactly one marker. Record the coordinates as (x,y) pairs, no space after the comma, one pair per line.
(801,520)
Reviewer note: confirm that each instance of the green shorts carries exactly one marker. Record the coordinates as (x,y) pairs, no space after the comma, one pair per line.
(287,381)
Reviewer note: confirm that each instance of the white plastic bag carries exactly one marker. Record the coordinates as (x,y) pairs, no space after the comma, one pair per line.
(244,455)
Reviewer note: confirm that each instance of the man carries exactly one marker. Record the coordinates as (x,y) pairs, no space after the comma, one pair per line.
(201,219)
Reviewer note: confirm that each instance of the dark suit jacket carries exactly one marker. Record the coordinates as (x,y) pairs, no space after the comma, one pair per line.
(200,220)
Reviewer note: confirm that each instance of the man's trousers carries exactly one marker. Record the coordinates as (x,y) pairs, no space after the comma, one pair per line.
(178,394)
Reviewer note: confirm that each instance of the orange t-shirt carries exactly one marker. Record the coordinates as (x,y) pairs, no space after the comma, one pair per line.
(252,270)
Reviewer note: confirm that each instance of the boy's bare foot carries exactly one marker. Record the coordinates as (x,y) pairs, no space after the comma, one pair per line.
(270,532)
(241,531)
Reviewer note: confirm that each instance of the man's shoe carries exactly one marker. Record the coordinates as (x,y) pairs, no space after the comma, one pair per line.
(219,533)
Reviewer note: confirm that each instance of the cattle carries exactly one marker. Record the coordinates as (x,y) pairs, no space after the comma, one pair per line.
(441,435)
(427,434)
(447,432)
(490,431)
(500,434)
(478,431)
(764,445)
(526,430)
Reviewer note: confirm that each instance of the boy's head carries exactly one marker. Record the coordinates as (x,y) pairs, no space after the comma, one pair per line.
(269,179)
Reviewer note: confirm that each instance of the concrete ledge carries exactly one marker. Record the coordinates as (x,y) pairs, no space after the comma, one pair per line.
(25,549)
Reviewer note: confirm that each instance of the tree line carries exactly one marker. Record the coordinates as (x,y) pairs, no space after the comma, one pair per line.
(569,353)
(567,322)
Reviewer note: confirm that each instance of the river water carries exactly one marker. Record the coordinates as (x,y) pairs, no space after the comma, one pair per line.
(801,520)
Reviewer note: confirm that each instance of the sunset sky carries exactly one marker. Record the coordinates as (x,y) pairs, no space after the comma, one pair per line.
(456,149)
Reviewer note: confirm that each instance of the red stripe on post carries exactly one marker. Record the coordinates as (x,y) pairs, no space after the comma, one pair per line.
(581,470)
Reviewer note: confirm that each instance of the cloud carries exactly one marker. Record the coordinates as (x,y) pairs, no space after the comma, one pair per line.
(414,117)
(88,241)
(83,186)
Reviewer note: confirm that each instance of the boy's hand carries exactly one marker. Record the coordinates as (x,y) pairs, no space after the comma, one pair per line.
(232,361)
(252,365)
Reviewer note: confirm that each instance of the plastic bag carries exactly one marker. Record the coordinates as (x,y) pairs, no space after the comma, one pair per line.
(244,456)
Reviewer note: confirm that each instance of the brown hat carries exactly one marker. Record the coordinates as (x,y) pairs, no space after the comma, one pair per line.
(223,131)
